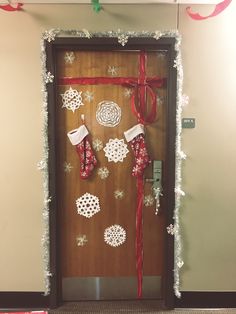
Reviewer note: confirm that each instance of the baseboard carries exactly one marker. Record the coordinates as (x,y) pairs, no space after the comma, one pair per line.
(192,299)
(23,300)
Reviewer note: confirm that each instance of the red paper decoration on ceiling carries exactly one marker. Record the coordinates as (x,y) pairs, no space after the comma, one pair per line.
(218,9)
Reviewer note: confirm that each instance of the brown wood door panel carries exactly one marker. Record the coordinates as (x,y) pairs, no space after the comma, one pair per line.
(96,258)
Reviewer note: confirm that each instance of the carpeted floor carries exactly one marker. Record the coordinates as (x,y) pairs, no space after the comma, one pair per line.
(129,307)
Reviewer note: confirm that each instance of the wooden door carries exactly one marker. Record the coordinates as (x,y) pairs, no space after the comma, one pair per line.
(85,258)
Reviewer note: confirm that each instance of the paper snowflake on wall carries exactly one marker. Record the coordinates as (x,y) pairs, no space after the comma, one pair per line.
(81,239)
(114,235)
(88,96)
(69,57)
(103,172)
(67,167)
(119,194)
(148,200)
(108,113)
(88,205)
(128,92)
(72,99)
(97,145)
(116,150)
(112,70)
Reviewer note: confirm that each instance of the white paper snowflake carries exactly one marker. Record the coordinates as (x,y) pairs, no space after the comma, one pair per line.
(72,99)
(86,33)
(160,100)
(103,172)
(50,34)
(148,200)
(108,113)
(171,229)
(42,165)
(116,150)
(97,145)
(48,78)
(123,39)
(112,70)
(128,92)
(114,235)
(88,205)
(119,194)
(157,35)
(67,167)
(81,239)
(69,57)
(88,96)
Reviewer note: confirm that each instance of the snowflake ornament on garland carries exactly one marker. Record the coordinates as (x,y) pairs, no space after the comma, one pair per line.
(116,150)
(114,235)
(88,205)
(69,57)
(103,172)
(97,145)
(72,99)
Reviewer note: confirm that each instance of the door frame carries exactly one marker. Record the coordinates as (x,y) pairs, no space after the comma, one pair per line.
(107,43)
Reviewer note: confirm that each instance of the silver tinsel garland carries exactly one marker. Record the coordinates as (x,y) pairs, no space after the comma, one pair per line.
(122,38)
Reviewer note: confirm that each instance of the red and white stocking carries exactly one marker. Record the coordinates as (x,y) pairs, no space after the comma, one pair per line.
(135,136)
(79,138)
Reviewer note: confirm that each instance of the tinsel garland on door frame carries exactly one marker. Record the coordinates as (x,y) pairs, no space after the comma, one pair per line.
(181,99)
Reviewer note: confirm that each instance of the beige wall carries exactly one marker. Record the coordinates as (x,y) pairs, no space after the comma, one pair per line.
(208,210)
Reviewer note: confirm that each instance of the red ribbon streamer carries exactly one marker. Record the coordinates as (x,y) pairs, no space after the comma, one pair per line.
(10,7)
(141,86)
(218,9)
(139,234)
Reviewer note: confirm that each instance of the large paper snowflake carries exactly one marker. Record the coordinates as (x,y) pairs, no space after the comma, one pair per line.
(103,172)
(88,205)
(116,150)
(97,145)
(114,235)
(72,99)
(108,113)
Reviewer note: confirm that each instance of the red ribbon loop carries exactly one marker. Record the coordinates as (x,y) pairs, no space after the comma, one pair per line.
(10,7)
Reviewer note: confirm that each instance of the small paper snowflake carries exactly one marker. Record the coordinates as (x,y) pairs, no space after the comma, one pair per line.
(116,150)
(48,78)
(185,100)
(67,167)
(123,39)
(103,172)
(97,145)
(108,113)
(88,96)
(128,92)
(119,194)
(179,192)
(81,239)
(171,229)
(114,235)
(180,264)
(182,155)
(88,205)
(112,70)
(72,99)
(160,100)
(148,200)
(69,57)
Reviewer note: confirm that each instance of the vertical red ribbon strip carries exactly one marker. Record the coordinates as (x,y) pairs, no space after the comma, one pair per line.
(218,9)
(141,86)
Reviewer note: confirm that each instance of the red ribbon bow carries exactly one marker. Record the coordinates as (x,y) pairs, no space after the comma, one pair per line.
(9,7)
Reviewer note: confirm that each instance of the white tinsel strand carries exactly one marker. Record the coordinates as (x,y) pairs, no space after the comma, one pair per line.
(45,237)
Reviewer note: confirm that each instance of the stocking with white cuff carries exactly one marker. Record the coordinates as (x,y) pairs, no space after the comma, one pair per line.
(79,138)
